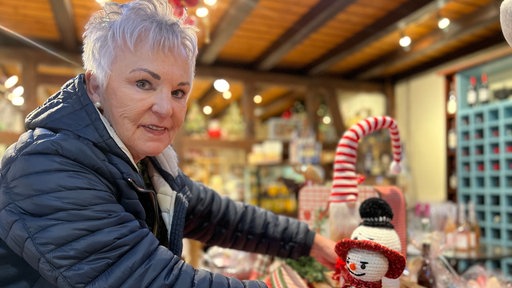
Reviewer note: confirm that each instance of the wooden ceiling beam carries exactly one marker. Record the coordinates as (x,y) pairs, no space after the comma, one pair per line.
(40,51)
(238,11)
(277,107)
(407,12)
(296,81)
(208,96)
(316,17)
(470,24)
(63,16)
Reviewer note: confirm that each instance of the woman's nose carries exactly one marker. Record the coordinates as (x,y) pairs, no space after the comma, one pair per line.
(162,104)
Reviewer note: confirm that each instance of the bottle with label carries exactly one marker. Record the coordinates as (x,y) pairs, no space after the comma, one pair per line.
(463,234)
(452,181)
(451,105)
(426,277)
(483,90)
(452,138)
(450,230)
(471,96)
(474,226)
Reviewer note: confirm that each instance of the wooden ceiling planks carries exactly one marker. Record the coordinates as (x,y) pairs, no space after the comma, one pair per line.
(263,42)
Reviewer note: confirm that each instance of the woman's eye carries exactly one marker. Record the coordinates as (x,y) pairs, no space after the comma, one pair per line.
(178,93)
(143,84)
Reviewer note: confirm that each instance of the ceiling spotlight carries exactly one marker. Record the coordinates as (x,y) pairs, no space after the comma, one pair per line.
(221,85)
(405,41)
(443,23)
(202,12)
(257,99)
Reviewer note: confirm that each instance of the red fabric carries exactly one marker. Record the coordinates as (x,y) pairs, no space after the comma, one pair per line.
(395,198)
(396,261)
(341,272)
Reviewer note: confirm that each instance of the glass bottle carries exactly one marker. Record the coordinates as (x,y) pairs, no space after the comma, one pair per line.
(450,230)
(474,226)
(452,138)
(426,277)
(483,90)
(451,105)
(471,96)
(463,234)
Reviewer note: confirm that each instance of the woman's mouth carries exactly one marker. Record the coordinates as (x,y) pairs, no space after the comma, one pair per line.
(154,129)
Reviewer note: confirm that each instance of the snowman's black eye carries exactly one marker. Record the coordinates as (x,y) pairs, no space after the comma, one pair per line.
(363,265)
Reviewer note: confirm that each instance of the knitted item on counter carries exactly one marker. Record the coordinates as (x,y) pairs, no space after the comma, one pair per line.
(373,250)
(506,20)
(345,180)
(343,200)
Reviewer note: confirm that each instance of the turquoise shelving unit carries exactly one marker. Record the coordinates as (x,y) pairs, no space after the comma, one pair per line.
(484,157)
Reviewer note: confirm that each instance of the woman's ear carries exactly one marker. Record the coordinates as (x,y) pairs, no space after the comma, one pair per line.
(93,87)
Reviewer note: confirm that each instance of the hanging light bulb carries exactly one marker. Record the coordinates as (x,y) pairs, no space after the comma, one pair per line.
(221,85)
(18,91)
(443,23)
(18,100)
(210,2)
(202,12)
(11,81)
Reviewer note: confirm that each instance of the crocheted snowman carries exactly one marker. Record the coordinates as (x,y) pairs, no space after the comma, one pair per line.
(372,252)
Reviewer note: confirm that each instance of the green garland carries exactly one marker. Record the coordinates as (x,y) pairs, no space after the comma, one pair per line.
(309,269)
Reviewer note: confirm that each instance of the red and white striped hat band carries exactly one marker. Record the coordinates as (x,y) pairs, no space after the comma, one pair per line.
(345,179)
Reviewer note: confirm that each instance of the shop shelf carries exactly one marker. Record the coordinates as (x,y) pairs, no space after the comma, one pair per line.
(484,160)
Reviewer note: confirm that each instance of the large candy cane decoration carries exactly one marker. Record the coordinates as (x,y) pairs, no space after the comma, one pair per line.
(345,179)
(343,200)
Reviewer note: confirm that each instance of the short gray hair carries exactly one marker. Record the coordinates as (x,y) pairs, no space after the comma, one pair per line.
(123,25)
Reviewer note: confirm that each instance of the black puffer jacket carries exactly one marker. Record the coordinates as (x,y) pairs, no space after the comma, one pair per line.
(70,215)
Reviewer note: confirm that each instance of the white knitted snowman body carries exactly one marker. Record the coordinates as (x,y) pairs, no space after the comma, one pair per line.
(372,257)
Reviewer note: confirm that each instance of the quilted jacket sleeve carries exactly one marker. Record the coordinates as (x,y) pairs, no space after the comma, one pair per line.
(221,221)
(59,211)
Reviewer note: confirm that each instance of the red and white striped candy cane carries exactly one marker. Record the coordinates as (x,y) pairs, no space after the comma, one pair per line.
(345,179)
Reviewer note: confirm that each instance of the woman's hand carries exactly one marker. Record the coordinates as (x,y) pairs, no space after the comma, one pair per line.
(323,251)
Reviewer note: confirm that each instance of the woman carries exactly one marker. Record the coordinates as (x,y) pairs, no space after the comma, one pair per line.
(91,195)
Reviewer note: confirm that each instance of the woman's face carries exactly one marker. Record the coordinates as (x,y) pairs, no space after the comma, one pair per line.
(145,99)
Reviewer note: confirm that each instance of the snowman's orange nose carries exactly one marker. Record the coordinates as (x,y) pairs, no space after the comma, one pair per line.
(352,266)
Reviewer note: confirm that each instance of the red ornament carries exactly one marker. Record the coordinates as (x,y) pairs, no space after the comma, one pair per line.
(176,3)
(287,114)
(307,214)
(179,11)
(190,20)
